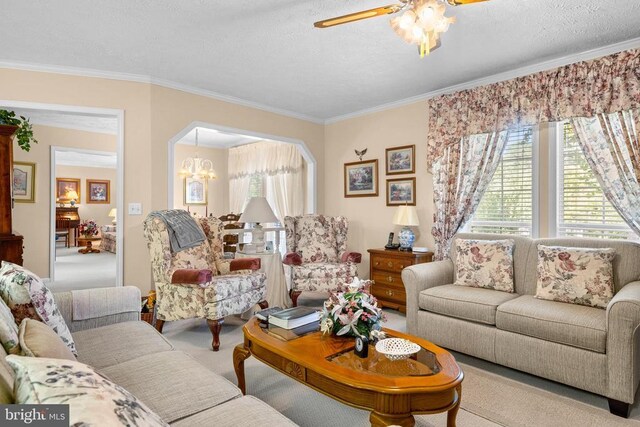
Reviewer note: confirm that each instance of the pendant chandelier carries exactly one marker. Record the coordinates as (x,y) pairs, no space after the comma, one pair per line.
(195,167)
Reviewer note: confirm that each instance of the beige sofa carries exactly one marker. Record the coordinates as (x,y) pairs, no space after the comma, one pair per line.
(134,355)
(588,348)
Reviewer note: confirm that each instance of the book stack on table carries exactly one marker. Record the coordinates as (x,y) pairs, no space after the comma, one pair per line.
(291,323)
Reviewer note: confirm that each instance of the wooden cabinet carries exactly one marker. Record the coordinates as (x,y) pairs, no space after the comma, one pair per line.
(10,243)
(385,268)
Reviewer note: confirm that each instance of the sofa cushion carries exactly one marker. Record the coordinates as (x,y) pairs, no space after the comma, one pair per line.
(324,271)
(246,411)
(570,324)
(485,264)
(39,340)
(172,384)
(27,296)
(8,330)
(92,398)
(575,275)
(6,379)
(474,304)
(117,343)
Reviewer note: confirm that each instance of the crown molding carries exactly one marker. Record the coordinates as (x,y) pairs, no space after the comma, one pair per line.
(113,75)
(507,75)
(74,126)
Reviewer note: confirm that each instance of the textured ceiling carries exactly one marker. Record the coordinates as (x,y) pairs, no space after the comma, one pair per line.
(86,159)
(268,52)
(86,122)
(215,139)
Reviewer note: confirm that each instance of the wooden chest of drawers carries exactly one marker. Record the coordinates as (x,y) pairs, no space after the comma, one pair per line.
(385,268)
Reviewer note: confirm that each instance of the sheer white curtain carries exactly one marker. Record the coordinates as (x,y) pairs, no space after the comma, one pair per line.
(281,166)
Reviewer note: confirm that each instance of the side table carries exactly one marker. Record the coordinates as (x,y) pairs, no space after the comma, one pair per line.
(271,265)
(385,267)
(88,243)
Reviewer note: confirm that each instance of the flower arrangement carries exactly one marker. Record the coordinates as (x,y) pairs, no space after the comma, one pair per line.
(353,312)
(88,228)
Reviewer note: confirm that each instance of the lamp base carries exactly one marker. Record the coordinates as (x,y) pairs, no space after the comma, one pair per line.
(406,237)
(257,238)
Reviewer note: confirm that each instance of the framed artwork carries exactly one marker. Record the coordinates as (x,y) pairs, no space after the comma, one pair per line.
(64,189)
(401,191)
(361,179)
(24,182)
(195,191)
(98,191)
(401,160)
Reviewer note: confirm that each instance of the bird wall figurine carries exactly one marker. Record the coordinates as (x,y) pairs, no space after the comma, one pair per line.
(360,153)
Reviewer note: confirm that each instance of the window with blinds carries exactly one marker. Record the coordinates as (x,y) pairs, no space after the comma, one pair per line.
(506,206)
(583,209)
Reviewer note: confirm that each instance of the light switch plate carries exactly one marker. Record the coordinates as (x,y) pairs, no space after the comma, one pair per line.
(135,208)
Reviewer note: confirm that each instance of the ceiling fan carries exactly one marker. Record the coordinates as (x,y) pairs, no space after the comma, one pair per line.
(421,22)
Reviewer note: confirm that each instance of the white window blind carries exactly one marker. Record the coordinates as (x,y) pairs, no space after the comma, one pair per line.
(506,206)
(583,209)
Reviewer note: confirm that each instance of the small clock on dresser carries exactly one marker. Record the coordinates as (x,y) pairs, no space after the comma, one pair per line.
(385,267)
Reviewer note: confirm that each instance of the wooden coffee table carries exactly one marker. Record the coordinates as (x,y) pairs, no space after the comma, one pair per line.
(87,242)
(393,391)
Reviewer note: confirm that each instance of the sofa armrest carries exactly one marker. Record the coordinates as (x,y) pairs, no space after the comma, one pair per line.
(252,264)
(190,275)
(623,339)
(352,257)
(420,277)
(111,305)
(292,258)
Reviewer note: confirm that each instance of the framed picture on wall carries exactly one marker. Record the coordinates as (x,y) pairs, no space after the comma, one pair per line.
(67,189)
(401,191)
(195,191)
(361,179)
(24,182)
(401,160)
(98,191)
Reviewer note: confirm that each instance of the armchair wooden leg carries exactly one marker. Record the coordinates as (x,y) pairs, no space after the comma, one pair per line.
(215,326)
(159,325)
(619,408)
(294,297)
(263,304)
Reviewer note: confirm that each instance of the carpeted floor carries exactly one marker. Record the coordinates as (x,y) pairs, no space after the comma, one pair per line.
(491,396)
(74,270)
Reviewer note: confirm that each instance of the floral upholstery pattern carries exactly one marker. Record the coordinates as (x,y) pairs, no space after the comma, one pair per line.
(581,276)
(92,398)
(485,264)
(227,293)
(26,296)
(317,245)
(108,241)
(8,330)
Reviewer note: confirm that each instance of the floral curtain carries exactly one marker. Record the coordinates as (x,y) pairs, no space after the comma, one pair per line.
(461,176)
(610,144)
(583,89)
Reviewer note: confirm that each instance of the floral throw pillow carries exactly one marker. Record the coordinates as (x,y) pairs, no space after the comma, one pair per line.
(8,330)
(575,275)
(93,400)
(485,264)
(26,296)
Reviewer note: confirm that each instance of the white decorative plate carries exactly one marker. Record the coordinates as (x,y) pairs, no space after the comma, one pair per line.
(397,348)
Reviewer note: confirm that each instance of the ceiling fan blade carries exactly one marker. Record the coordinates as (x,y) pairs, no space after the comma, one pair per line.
(463,2)
(365,14)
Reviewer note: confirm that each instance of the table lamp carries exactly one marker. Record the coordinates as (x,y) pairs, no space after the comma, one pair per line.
(113,214)
(257,211)
(408,217)
(72,196)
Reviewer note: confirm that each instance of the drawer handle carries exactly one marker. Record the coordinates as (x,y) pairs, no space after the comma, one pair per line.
(390,264)
(390,279)
(401,266)
(390,293)
(377,263)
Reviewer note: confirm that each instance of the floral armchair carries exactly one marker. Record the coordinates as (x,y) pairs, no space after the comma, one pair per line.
(198,282)
(317,258)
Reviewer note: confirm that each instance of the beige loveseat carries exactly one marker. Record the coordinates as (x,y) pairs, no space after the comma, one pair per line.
(134,355)
(589,348)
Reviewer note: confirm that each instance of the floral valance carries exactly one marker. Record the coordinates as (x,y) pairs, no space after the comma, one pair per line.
(583,89)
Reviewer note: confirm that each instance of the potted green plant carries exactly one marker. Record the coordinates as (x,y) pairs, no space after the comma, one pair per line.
(24,134)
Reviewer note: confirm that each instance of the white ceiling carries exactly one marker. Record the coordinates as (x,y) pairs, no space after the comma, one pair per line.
(87,159)
(268,52)
(86,122)
(216,139)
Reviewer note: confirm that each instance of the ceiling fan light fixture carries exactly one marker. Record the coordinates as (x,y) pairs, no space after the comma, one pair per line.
(422,23)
